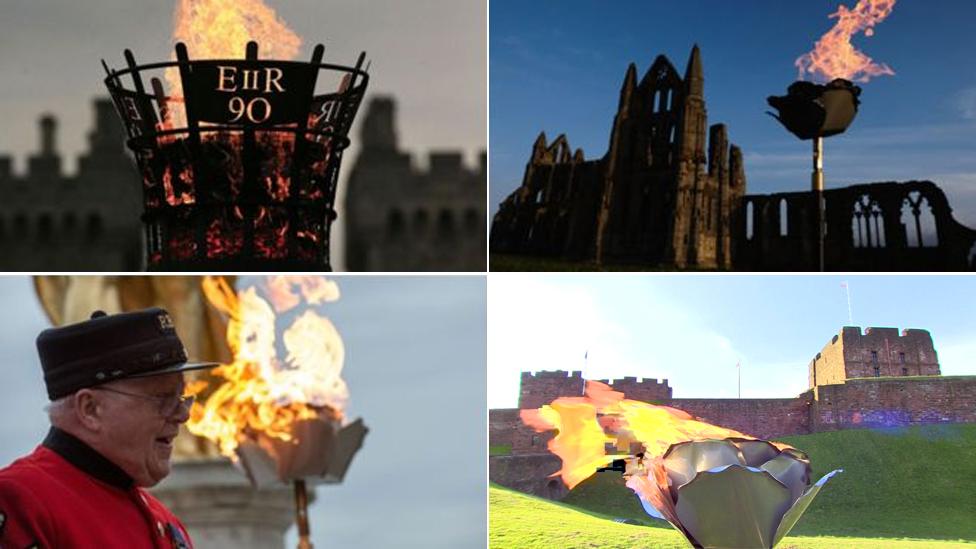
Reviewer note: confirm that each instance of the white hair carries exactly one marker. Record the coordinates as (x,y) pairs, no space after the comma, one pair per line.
(59,411)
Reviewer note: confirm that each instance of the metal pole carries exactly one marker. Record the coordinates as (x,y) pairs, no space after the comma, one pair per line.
(301,515)
(818,187)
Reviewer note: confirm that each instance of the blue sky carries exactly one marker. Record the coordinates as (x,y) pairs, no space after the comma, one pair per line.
(558,67)
(415,363)
(692,329)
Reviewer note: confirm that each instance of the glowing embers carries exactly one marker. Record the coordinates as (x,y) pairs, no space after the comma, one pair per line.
(718,487)
(239,157)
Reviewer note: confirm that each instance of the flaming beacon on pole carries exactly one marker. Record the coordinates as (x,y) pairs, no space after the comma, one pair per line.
(277,410)
(812,111)
(239,157)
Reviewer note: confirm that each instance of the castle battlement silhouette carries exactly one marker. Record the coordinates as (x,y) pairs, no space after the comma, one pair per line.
(663,197)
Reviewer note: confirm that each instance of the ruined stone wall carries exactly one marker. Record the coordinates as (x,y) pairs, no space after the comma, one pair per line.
(886,226)
(760,417)
(871,403)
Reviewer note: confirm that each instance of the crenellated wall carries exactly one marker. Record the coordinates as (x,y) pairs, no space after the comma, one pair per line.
(876,378)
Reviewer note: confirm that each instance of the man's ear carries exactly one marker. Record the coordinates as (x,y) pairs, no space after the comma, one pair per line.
(89,410)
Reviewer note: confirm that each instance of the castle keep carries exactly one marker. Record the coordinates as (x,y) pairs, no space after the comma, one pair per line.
(400,218)
(876,378)
(660,195)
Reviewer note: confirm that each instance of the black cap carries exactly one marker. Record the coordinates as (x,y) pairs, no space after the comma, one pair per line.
(110,347)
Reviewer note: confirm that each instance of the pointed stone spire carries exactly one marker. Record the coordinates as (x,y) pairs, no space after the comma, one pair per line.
(539,147)
(694,76)
(627,89)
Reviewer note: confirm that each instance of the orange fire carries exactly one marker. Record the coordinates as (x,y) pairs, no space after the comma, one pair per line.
(221,29)
(834,56)
(270,385)
(587,424)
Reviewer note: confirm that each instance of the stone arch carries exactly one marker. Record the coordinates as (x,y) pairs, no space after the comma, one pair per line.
(553,489)
(919,221)
(395,223)
(867,223)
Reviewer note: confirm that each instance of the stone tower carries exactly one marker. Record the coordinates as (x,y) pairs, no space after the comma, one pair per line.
(878,352)
(400,218)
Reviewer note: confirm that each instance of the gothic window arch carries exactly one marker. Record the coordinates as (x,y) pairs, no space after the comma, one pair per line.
(867,223)
(784,222)
(919,221)
(750,220)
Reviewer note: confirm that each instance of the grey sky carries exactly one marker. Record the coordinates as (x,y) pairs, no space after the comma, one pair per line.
(430,54)
(415,366)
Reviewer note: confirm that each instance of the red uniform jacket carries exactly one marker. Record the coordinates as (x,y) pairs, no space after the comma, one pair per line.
(67,495)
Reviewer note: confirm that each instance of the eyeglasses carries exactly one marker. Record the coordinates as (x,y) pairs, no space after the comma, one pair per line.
(167,405)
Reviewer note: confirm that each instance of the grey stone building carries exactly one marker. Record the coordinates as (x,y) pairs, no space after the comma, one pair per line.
(50,221)
(400,218)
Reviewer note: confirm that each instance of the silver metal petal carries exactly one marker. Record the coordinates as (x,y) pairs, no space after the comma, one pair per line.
(755,452)
(733,507)
(685,460)
(793,473)
(800,506)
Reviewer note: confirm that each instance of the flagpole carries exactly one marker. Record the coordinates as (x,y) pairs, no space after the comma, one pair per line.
(738,369)
(850,315)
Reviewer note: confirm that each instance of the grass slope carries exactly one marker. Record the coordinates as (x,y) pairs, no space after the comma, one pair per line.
(917,483)
(518,521)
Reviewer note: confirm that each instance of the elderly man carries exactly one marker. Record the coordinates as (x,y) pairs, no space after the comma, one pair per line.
(116,386)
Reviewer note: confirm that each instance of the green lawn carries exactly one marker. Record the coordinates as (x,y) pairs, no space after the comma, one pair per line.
(519,521)
(911,488)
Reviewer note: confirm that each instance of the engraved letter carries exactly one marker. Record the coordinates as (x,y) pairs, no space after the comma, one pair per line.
(250,80)
(226,78)
(273,80)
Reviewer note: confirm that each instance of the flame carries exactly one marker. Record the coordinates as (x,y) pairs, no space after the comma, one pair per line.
(261,391)
(221,29)
(603,416)
(834,56)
